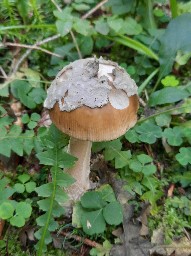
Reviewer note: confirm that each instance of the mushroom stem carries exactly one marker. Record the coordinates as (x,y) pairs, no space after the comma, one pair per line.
(80,172)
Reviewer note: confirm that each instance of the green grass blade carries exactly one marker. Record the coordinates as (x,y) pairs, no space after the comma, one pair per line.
(174,8)
(134,44)
(38,26)
(162,112)
(149,14)
(45,229)
(145,83)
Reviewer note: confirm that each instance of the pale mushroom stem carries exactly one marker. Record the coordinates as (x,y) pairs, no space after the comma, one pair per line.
(80,172)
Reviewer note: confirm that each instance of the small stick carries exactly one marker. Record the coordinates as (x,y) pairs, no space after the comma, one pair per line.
(24,56)
(149,150)
(141,101)
(71,33)
(81,239)
(76,44)
(2,223)
(46,40)
(89,13)
(57,6)
(3,73)
(187,234)
(33,47)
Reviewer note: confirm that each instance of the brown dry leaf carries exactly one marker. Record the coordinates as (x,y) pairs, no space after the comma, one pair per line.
(143,218)
(45,119)
(181,247)
(118,232)
(26,236)
(158,236)
(16,107)
(171,190)
(19,122)
(167,148)
(57,241)
(144,231)
(176,248)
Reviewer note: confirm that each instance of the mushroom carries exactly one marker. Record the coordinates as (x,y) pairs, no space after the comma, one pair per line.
(91,100)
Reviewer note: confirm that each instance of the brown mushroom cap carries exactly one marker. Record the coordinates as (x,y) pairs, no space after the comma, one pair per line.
(96,124)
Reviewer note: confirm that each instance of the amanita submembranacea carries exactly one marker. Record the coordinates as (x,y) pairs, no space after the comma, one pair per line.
(91,100)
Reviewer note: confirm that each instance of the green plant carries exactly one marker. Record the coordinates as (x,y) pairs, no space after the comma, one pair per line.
(175,218)
(170,81)
(177,31)
(24,184)
(12,138)
(96,209)
(15,212)
(52,154)
(102,250)
(173,7)
(38,38)
(31,121)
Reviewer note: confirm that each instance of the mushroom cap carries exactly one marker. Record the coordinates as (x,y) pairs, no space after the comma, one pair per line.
(93,99)
(97,124)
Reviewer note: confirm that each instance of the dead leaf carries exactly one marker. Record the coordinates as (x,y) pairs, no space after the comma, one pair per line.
(118,232)
(26,236)
(143,218)
(176,248)
(181,247)
(45,119)
(57,241)
(158,236)
(144,231)
(166,146)
(171,190)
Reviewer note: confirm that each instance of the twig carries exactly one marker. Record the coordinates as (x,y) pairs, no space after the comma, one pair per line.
(141,101)
(18,63)
(81,239)
(89,13)
(28,80)
(71,33)
(3,72)
(46,40)
(187,234)
(76,44)
(57,6)
(33,47)
(24,56)
(2,223)
(149,150)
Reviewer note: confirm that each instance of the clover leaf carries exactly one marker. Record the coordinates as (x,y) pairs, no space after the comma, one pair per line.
(173,135)
(96,209)
(132,136)
(170,81)
(163,120)
(6,210)
(93,222)
(113,213)
(184,157)
(142,163)
(24,185)
(148,132)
